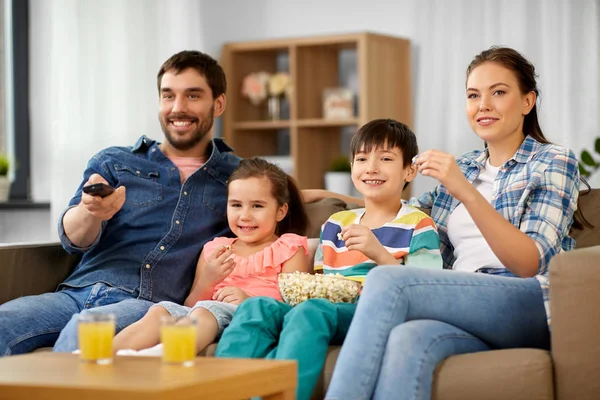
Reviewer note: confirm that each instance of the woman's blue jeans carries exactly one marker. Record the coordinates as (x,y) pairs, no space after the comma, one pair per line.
(410,319)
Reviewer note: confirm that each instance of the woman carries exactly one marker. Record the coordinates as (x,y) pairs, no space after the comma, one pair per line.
(503,213)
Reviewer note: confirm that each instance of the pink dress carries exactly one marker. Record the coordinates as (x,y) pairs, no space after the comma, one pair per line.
(257,274)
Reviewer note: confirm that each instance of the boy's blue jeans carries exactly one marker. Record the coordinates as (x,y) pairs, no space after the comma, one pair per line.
(31,322)
(408,320)
(266,328)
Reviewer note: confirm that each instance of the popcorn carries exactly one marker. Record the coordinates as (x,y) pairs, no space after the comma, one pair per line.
(297,287)
(340,237)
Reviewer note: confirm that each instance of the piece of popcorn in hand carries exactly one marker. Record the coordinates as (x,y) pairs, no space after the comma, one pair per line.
(340,236)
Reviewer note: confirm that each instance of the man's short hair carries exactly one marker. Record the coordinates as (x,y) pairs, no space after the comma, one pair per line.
(204,64)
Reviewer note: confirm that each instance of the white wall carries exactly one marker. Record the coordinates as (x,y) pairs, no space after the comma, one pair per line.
(25,226)
(93,80)
(444,35)
(558,36)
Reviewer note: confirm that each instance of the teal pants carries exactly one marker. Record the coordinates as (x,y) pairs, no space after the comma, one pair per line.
(266,328)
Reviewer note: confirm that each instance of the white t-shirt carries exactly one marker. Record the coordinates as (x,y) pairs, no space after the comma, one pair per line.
(470,248)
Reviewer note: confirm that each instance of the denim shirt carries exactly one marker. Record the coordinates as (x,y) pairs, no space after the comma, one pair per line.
(150,247)
(536,191)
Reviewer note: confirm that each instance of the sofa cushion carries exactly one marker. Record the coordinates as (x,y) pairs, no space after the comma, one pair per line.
(586,228)
(516,374)
(29,269)
(319,211)
(495,375)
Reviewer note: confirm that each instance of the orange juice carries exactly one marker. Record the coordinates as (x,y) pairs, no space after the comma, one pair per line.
(179,343)
(95,340)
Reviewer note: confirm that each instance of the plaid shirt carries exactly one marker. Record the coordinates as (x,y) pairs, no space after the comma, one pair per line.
(536,190)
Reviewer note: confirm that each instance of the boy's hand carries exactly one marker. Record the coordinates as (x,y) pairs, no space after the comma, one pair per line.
(361,238)
(230,294)
(218,266)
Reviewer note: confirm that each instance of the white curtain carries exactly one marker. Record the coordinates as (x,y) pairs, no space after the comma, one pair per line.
(561,38)
(94,62)
(93,80)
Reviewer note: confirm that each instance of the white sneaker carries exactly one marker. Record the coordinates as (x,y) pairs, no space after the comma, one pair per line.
(155,351)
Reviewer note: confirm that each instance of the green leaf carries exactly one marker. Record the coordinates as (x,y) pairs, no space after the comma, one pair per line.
(4,165)
(583,171)
(597,145)
(587,159)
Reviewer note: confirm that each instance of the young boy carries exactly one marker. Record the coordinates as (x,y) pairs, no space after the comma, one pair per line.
(384,232)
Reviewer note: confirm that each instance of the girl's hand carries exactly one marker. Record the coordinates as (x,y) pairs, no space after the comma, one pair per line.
(443,167)
(218,266)
(361,238)
(230,294)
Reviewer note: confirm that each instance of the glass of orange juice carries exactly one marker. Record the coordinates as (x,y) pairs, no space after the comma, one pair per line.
(96,332)
(178,336)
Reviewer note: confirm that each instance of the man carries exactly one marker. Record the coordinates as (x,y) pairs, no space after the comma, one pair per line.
(140,244)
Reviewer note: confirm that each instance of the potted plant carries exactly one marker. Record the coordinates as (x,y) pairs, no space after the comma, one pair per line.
(588,166)
(4,183)
(337,177)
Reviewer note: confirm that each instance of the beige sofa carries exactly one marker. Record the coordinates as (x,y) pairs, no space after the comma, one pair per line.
(570,371)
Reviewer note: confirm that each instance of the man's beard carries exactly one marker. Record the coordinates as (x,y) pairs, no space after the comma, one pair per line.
(203,128)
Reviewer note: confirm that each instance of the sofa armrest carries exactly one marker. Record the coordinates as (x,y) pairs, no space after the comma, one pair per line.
(27,269)
(575,311)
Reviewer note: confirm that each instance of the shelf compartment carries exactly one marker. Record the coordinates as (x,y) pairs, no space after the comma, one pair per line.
(320,122)
(237,66)
(313,149)
(261,125)
(249,143)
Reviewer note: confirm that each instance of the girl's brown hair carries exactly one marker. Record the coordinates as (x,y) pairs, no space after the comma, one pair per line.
(283,189)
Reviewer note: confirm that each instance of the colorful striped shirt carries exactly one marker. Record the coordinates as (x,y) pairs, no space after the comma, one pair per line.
(536,190)
(411,237)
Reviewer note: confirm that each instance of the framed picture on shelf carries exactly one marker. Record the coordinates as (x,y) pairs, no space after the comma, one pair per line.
(338,103)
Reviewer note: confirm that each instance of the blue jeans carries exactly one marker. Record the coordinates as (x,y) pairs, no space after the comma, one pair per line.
(31,322)
(408,320)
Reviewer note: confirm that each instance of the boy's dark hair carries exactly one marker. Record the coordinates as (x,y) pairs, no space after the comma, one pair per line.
(204,64)
(283,188)
(385,133)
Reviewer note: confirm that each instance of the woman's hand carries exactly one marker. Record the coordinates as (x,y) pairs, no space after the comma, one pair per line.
(443,167)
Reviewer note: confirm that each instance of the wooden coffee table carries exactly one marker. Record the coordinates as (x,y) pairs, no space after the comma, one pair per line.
(63,376)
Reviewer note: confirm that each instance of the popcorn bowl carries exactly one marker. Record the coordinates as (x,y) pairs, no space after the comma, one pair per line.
(296,287)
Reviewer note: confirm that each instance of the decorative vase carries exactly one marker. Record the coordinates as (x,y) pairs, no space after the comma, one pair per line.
(4,189)
(338,182)
(274,108)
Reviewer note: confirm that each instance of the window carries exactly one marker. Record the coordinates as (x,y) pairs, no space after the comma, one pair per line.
(14,104)
(3,147)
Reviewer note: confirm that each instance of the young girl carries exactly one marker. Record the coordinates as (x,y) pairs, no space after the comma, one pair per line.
(502,214)
(266,214)
(352,243)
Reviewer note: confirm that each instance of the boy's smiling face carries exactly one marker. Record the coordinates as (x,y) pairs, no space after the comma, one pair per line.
(379,175)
